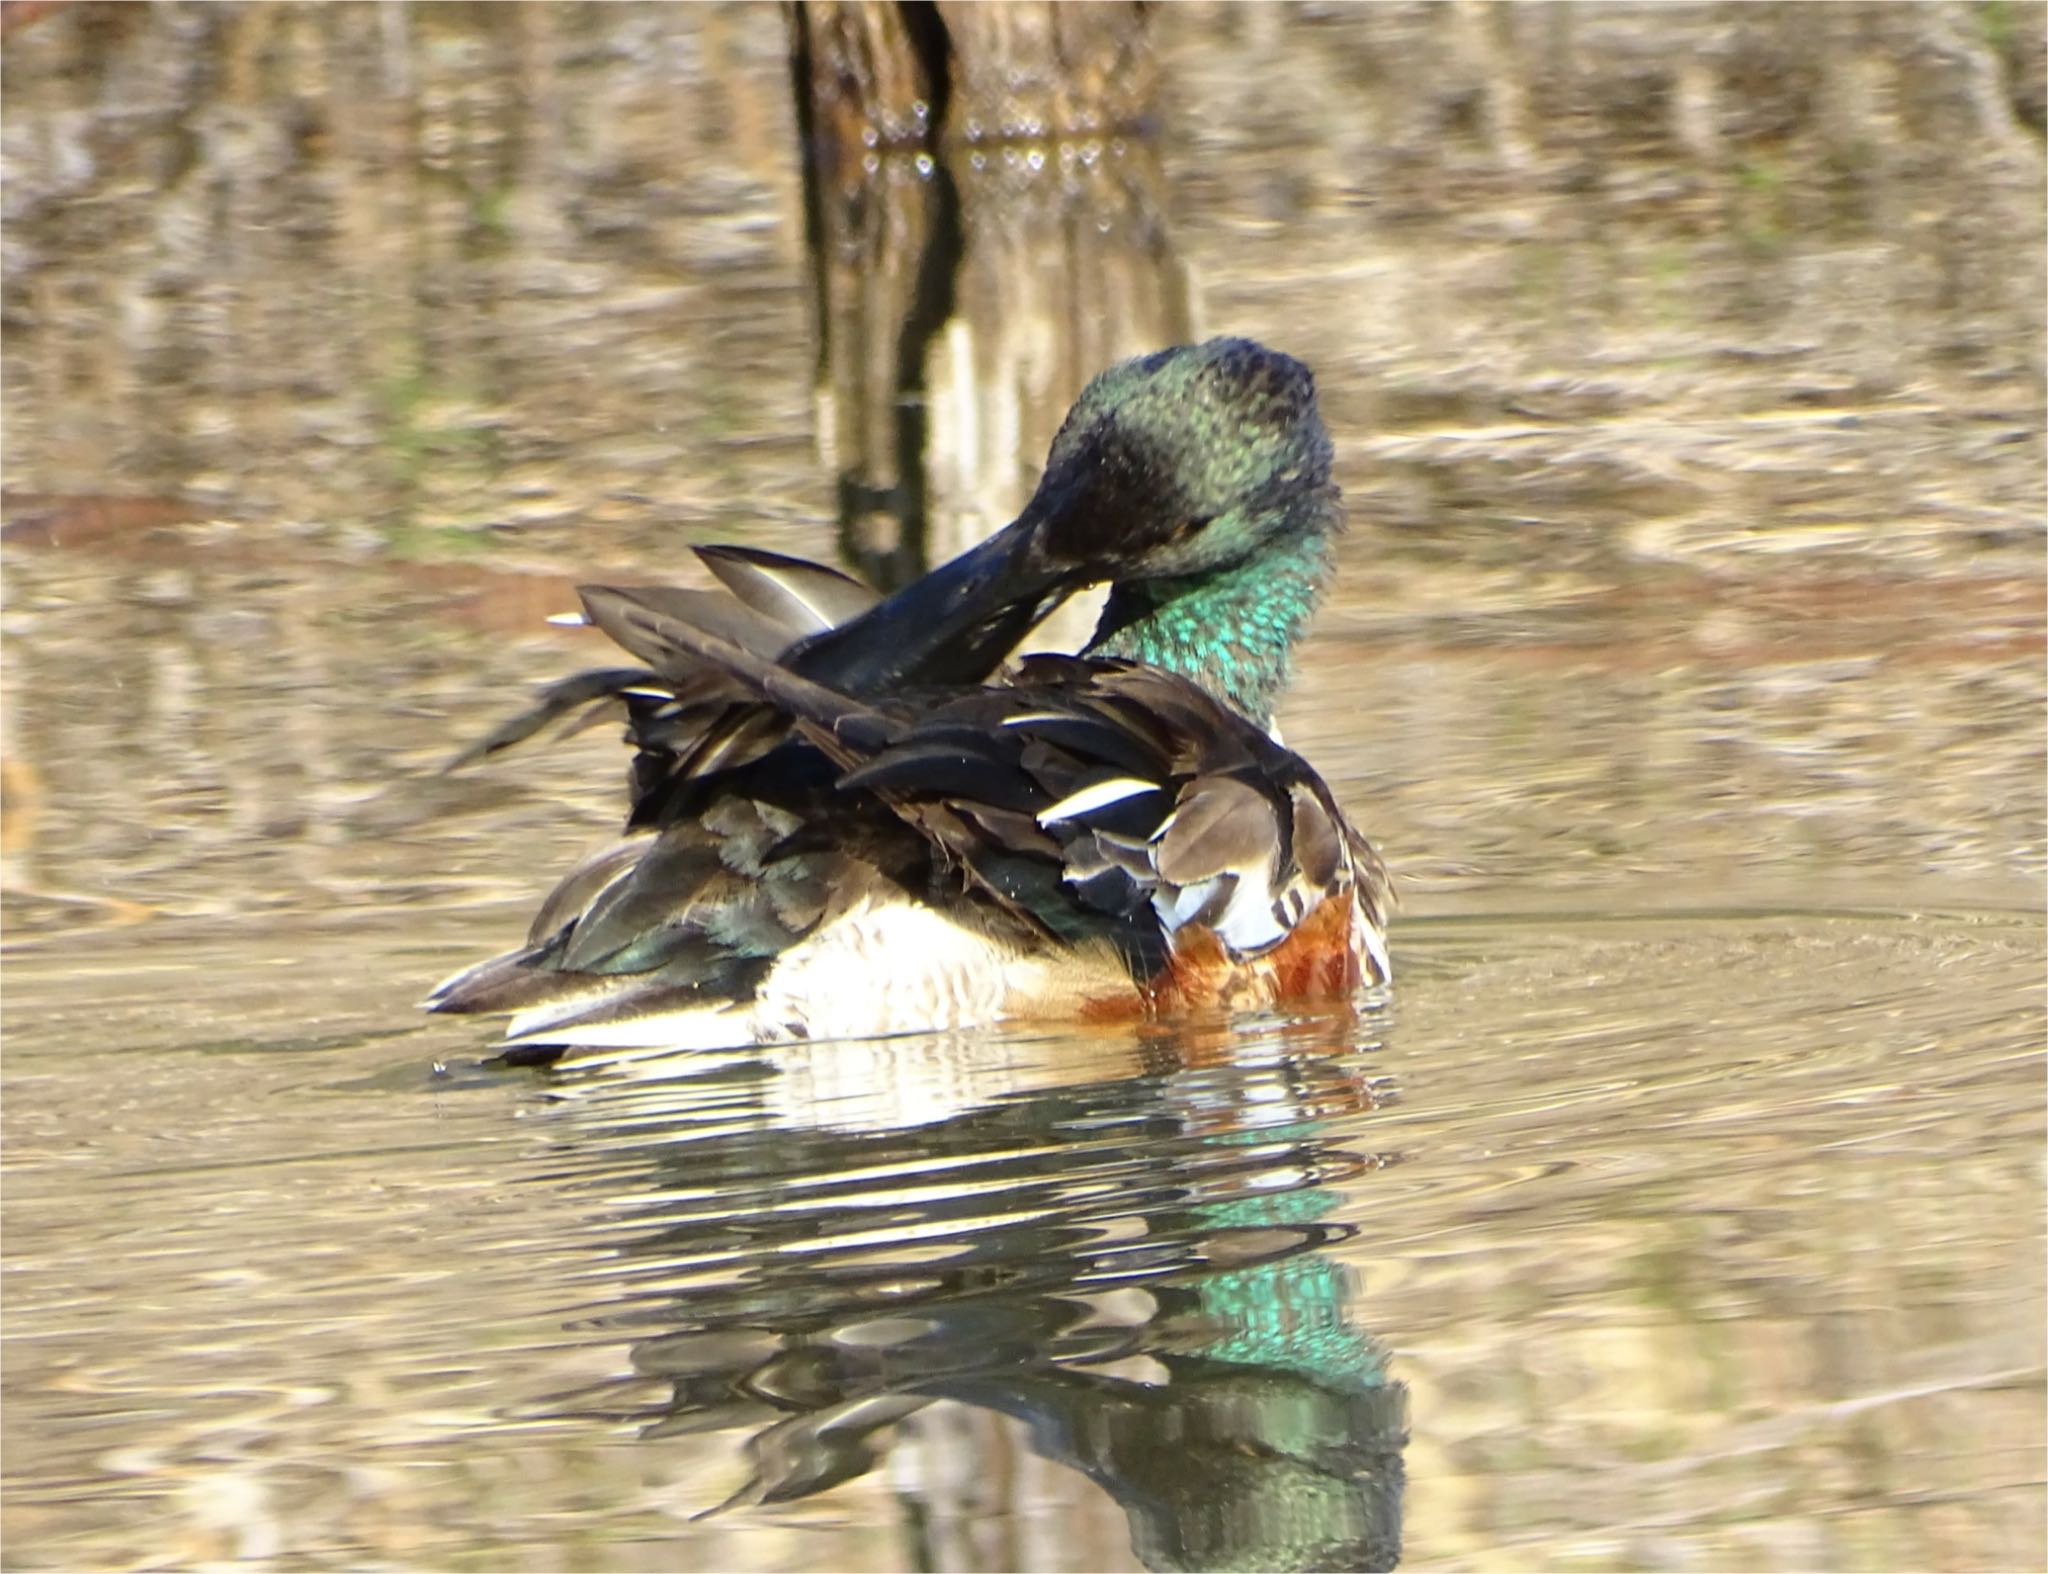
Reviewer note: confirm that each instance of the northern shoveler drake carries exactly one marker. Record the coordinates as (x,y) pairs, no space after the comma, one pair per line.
(843,826)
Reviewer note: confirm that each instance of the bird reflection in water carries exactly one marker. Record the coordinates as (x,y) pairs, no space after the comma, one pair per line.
(1133,1267)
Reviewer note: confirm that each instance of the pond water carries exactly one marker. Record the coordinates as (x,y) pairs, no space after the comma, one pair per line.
(1681,1206)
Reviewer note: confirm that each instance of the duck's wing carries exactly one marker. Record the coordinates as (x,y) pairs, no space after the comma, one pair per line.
(773,603)
(795,595)
(1109,798)
(665,937)
(686,721)
(1093,798)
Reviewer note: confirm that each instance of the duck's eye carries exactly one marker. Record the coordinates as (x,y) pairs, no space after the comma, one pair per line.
(1189,528)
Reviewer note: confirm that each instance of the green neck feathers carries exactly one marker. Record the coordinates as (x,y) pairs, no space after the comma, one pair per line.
(1231,631)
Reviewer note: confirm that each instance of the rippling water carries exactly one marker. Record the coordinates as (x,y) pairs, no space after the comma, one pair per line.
(1680,1207)
(1609,1238)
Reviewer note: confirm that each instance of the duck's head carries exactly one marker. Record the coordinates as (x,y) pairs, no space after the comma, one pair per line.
(1187,462)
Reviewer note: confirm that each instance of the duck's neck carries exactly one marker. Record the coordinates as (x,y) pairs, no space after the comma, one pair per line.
(1232,632)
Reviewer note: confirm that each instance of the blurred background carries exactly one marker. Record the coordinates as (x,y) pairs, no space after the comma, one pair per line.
(1685,368)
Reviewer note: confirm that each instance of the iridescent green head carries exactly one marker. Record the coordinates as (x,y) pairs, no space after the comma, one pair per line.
(1201,475)
(1187,461)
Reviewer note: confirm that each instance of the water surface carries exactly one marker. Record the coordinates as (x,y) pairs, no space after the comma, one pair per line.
(1680,1207)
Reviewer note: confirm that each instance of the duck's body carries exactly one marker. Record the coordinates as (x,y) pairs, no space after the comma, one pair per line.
(845,833)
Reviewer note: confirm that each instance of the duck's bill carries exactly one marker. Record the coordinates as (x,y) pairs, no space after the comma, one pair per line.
(952,626)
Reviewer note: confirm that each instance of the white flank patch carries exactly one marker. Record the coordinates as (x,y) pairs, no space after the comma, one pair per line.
(1248,924)
(1375,942)
(569,620)
(1176,907)
(1099,796)
(882,968)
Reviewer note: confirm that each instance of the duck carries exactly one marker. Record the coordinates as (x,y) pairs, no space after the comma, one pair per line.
(851,816)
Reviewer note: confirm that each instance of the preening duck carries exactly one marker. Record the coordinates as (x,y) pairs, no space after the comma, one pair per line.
(843,826)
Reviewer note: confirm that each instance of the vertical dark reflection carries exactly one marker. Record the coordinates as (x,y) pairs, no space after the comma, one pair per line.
(983,210)
(1138,1270)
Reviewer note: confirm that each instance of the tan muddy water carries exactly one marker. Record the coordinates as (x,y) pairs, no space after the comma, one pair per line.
(1680,1208)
